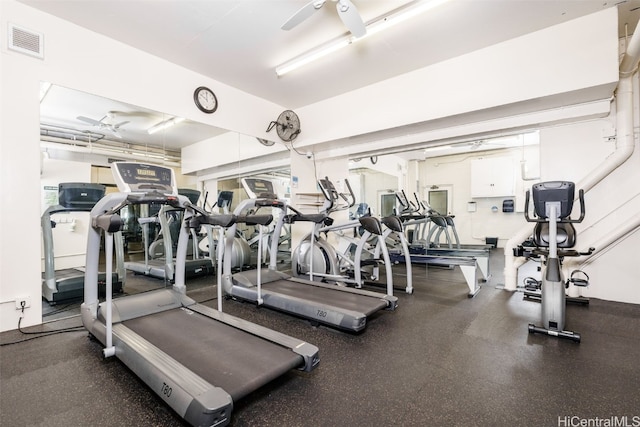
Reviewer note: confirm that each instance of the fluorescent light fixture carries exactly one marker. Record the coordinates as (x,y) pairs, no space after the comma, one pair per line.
(373,27)
(313,55)
(164,125)
(437,148)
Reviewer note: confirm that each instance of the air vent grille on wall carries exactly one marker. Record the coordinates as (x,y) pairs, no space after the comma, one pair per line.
(26,41)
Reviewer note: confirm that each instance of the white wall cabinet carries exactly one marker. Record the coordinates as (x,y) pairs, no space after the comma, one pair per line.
(492,177)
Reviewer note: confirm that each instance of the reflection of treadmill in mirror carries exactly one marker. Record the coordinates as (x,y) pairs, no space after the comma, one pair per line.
(333,305)
(68,283)
(198,360)
(159,261)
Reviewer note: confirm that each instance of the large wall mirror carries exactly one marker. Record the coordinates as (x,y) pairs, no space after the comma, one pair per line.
(80,135)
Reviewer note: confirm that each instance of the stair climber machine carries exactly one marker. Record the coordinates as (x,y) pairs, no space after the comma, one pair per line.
(470,261)
(198,360)
(68,283)
(553,238)
(321,303)
(352,258)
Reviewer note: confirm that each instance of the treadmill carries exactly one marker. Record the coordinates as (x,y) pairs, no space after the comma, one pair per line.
(336,306)
(196,359)
(68,283)
(159,261)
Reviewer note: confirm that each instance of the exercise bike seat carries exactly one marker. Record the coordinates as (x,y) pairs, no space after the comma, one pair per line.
(566,237)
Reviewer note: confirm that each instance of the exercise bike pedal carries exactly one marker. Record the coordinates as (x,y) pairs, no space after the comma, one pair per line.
(578,281)
(532,285)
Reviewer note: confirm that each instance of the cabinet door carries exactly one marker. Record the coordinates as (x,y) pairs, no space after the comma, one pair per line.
(492,177)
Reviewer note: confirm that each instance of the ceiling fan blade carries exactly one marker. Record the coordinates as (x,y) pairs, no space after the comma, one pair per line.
(90,121)
(351,18)
(305,12)
(120,124)
(115,132)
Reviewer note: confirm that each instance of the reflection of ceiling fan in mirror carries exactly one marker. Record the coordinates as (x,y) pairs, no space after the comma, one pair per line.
(265,142)
(484,144)
(287,126)
(346,11)
(100,124)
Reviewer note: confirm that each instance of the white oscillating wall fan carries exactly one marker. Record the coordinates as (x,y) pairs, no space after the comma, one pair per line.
(346,10)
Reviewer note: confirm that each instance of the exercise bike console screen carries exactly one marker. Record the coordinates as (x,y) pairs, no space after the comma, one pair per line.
(140,177)
(560,193)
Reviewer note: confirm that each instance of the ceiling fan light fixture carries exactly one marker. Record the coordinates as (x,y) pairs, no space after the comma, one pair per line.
(373,27)
(164,125)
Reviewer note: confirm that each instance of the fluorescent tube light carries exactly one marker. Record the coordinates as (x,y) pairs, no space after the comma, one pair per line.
(437,148)
(164,125)
(313,55)
(373,27)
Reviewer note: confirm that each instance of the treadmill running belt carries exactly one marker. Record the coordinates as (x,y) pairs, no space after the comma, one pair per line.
(224,356)
(327,296)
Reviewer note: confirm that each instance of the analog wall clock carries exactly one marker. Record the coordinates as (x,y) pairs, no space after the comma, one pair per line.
(205,100)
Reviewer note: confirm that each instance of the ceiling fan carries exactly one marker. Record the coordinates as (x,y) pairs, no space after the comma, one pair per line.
(100,124)
(346,10)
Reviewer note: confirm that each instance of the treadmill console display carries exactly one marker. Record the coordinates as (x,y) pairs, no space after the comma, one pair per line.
(79,195)
(259,188)
(140,177)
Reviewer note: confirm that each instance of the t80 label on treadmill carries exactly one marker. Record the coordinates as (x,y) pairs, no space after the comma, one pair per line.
(321,313)
(166,390)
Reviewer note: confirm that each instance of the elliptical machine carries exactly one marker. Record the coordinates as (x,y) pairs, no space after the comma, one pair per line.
(553,238)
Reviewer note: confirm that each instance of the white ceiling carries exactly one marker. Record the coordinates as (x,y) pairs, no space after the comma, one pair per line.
(239,42)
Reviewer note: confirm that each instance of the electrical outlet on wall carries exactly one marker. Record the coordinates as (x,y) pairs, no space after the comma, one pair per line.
(23,302)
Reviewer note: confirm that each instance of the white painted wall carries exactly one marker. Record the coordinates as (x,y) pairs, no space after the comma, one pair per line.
(75,58)
(454,173)
(577,58)
(571,152)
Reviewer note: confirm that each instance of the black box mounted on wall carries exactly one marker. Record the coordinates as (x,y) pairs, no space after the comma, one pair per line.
(507,205)
(492,241)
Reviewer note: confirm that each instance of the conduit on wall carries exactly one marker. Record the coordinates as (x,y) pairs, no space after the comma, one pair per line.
(624,149)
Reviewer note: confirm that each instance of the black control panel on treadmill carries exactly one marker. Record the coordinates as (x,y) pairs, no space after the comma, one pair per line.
(259,188)
(141,177)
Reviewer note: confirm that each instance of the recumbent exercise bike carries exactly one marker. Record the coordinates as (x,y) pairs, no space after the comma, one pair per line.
(553,238)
